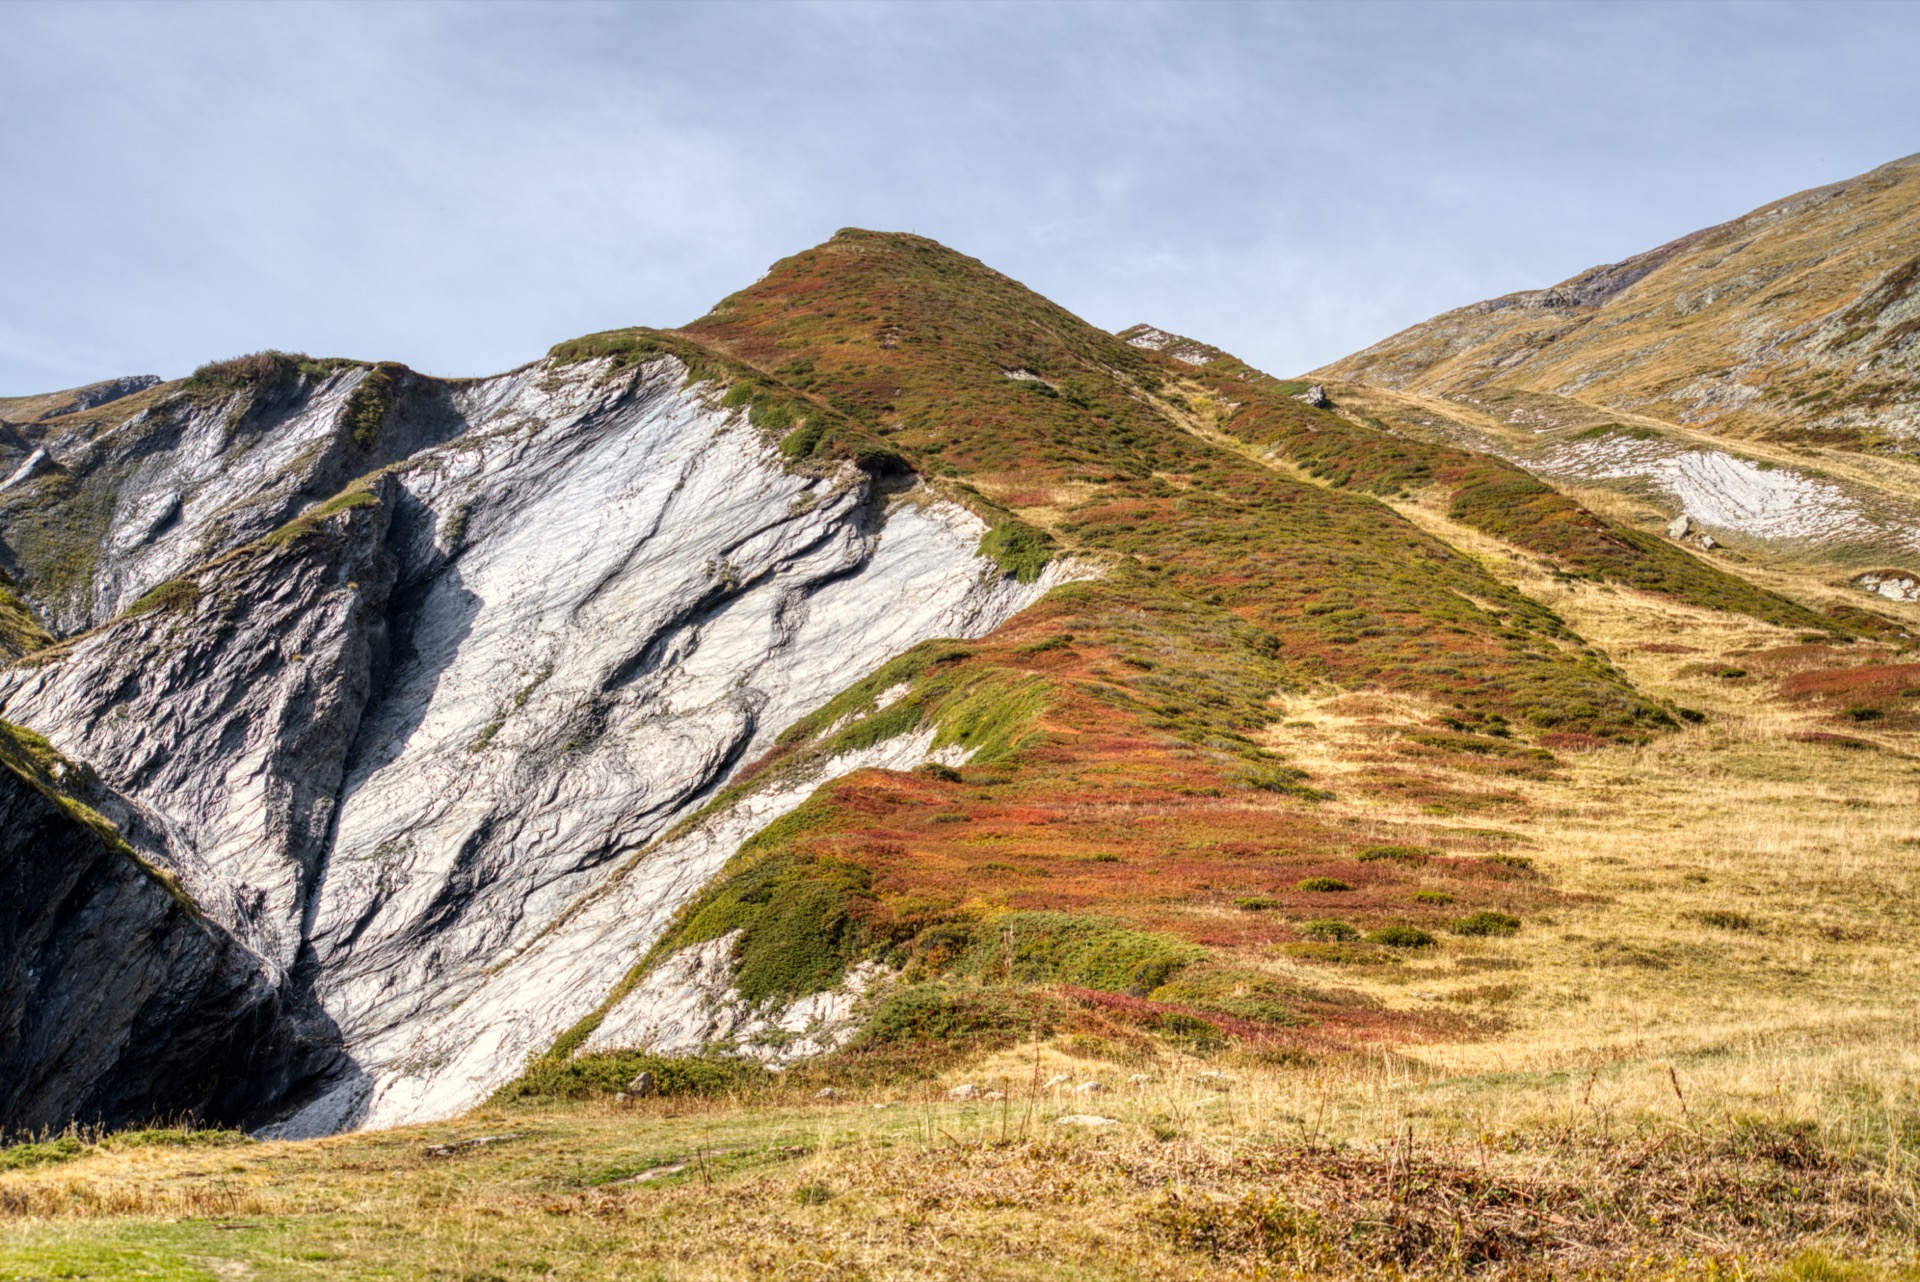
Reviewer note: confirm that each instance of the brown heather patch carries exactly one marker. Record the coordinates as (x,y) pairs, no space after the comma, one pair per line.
(1879,683)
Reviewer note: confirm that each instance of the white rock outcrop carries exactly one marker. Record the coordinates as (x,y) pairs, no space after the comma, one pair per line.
(423,755)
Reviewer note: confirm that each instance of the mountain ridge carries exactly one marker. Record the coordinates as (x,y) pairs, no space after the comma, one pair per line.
(886,635)
(1668,332)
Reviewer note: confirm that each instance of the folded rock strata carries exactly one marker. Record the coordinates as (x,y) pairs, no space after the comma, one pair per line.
(414,745)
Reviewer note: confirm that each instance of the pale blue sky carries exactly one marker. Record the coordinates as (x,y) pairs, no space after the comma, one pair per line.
(459,187)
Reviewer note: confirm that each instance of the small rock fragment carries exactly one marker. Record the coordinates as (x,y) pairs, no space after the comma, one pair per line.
(965,1091)
(642,1086)
(1680,526)
(827,1092)
(1058,1079)
(1315,396)
(1090,1088)
(994,1095)
(1085,1119)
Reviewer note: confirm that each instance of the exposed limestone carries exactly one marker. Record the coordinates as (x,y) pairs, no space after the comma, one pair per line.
(416,752)
(1895,585)
(688,1004)
(36,464)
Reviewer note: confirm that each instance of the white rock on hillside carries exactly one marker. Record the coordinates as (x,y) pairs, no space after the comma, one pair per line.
(564,628)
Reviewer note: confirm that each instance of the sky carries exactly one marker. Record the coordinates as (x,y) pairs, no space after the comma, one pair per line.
(459,187)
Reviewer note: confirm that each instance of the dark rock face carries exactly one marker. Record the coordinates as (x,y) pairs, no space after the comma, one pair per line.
(119,1002)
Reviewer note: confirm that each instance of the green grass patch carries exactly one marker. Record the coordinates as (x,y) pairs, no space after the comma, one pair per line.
(1019,549)
(607,1072)
(953,1018)
(310,521)
(370,401)
(175,596)
(1065,948)
(1412,855)
(1226,990)
(20,1157)
(1486,923)
(1401,937)
(1726,919)
(21,631)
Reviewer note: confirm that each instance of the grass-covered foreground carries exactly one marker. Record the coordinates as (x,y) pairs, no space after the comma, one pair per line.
(1206,1170)
(1699,1063)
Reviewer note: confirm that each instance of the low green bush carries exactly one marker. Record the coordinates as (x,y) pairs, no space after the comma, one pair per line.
(605,1072)
(174,594)
(1327,929)
(17,1157)
(953,1016)
(1063,948)
(1402,937)
(1019,549)
(1487,923)
(1339,952)
(1326,885)
(1242,994)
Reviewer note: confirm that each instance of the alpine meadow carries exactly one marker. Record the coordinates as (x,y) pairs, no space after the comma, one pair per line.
(893,781)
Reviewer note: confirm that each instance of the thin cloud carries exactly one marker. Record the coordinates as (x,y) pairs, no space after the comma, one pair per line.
(458,187)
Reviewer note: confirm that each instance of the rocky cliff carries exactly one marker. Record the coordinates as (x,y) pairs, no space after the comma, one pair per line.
(120,1001)
(389,739)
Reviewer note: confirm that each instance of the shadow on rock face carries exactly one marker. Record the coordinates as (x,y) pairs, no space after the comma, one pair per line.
(120,1003)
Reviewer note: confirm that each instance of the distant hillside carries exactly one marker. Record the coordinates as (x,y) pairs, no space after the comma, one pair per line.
(1798,321)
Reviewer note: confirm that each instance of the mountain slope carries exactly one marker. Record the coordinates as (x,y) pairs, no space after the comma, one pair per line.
(888,649)
(1798,321)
